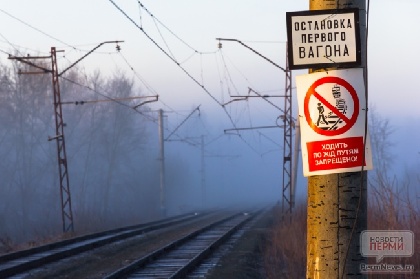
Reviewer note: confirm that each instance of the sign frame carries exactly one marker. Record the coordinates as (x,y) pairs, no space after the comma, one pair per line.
(295,63)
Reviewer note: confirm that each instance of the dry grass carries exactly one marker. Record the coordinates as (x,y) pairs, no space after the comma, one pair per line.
(392,205)
(8,246)
(285,255)
(389,208)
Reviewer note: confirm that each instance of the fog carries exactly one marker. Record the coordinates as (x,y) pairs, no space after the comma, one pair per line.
(113,157)
(114,162)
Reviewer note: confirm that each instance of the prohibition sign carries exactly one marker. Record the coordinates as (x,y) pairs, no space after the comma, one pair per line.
(349,122)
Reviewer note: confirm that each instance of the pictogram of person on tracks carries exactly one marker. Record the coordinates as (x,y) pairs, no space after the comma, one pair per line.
(321,117)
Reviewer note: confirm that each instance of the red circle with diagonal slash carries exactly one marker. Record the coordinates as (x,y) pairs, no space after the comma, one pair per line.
(349,122)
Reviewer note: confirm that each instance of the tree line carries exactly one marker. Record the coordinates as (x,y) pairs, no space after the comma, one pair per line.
(113,174)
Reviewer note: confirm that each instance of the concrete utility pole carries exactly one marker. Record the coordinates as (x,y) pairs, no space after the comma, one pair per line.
(337,203)
(295,161)
(162,164)
(203,176)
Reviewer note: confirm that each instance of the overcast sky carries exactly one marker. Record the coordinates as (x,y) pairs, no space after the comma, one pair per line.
(185,31)
(393,41)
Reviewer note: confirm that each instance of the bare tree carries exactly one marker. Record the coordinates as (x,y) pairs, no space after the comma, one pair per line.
(109,166)
(26,156)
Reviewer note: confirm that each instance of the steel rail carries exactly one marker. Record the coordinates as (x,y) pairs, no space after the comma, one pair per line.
(179,258)
(22,261)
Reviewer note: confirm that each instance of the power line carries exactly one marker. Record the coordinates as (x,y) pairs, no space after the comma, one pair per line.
(269,139)
(177,63)
(170,31)
(36,29)
(229,76)
(118,101)
(265,99)
(73,47)
(5,52)
(109,98)
(165,52)
(196,109)
(163,39)
(143,81)
(12,45)
(253,50)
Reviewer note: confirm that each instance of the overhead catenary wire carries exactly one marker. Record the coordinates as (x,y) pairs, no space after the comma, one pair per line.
(196,109)
(265,99)
(164,51)
(228,75)
(44,33)
(143,81)
(45,70)
(36,29)
(173,33)
(104,95)
(110,98)
(14,46)
(253,50)
(269,139)
(229,80)
(107,98)
(146,84)
(195,50)
(163,39)
(179,65)
(237,96)
(119,101)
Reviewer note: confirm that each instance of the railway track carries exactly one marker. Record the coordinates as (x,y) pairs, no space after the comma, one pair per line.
(26,260)
(193,237)
(179,258)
